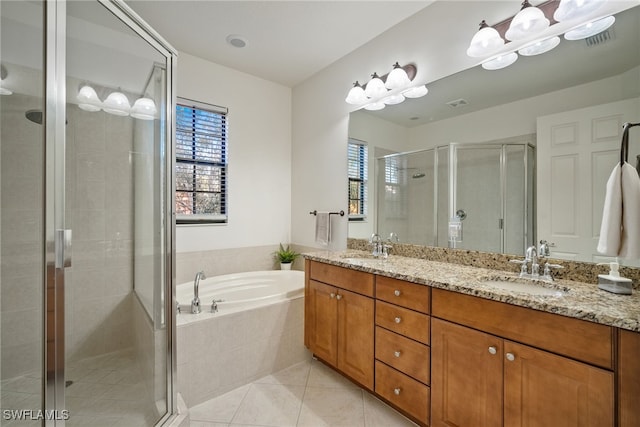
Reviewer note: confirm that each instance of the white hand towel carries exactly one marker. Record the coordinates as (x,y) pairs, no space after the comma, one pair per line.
(620,228)
(323,228)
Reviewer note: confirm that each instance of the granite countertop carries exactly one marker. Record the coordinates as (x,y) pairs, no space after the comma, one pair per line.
(574,299)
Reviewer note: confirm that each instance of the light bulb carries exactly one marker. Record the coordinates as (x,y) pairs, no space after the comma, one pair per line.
(540,46)
(397,78)
(375,87)
(144,109)
(356,95)
(88,99)
(485,41)
(590,29)
(500,61)
(117,104)
(529,21)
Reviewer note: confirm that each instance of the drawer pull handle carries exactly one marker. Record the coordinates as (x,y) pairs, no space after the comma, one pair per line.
(397,391)
(332,295)
(510,357)
(493,350)
(338,297)
(397,320)
(397,292)
(397,353)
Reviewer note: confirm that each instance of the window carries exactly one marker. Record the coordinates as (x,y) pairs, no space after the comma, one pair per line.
(201,163)
(357,180)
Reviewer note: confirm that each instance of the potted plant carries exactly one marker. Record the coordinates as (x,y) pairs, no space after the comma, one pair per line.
(286,257)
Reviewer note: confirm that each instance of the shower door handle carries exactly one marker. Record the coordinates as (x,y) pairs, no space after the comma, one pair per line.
(63,248)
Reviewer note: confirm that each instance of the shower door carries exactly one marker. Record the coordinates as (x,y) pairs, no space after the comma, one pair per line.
(86,242)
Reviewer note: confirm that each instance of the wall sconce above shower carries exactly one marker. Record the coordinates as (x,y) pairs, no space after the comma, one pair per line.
(116,103)
(390,89)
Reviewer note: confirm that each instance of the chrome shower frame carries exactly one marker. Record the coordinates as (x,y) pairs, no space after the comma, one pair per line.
(55,13)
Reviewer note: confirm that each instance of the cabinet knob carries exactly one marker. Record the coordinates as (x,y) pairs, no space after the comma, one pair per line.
(332,295)
(493,350)
(510,357)
(397,391)
(338,297)
(397,353)
(397,292)
(397,320)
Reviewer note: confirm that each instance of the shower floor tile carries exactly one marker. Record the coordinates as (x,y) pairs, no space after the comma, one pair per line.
(305,394)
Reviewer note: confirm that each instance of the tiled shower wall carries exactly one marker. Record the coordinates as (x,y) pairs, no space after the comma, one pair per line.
(99,198)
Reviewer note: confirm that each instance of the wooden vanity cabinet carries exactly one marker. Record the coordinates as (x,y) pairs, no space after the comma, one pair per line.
(482,379)
(403,356)
(339,317)
(628,378)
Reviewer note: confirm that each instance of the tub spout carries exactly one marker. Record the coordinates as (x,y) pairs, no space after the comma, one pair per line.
(195,304)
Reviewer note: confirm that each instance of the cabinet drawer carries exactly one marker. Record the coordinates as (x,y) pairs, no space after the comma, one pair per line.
(403,321)
(406,294)
(351,280)
(405,355)
(403,391)
(578,339)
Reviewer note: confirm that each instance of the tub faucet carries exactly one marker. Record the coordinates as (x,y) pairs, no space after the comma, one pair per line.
(195,304)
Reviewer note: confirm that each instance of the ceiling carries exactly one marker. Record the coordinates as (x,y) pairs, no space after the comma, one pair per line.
(286,41)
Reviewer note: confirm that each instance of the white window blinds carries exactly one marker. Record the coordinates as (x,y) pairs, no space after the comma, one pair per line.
(357,163)
(201,163)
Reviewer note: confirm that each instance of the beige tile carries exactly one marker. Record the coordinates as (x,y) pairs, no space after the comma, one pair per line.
(221,409)
(270,405)
(323,376)
(379,414)
(324,406)
(293,375)
(207,424)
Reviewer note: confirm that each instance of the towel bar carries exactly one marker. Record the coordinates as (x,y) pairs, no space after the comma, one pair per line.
(315,212)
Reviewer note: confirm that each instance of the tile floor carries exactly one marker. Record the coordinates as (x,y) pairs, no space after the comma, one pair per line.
(306,394)
(107,390)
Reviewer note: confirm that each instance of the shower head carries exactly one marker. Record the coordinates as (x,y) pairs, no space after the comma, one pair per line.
(418,175)
(35,116)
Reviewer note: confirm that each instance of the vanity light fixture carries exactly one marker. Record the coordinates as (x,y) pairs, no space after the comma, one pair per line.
(529,25)
(485,41)
(390,89)
(539,47)
(590,28)
(576,9)
(117,104)
(528,22)
(144,109)
(88,99)
(500,61)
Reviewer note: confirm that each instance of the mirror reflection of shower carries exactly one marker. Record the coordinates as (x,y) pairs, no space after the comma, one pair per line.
(492,184)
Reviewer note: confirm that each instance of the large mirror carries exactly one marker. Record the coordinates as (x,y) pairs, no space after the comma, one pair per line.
(566,106)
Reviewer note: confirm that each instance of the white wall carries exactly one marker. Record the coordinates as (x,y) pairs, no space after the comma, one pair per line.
(259,156)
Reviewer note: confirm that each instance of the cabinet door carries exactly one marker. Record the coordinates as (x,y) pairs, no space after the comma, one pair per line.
(466,377)
(355,336)
(542,389)
(322,317)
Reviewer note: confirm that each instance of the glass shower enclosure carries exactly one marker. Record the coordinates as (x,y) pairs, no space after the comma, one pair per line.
(86,230)
(466,196)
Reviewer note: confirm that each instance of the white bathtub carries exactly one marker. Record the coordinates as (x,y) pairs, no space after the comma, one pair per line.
(240,291)
(258,330)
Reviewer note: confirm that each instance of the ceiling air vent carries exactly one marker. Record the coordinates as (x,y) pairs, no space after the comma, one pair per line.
(600,38)
(457,103)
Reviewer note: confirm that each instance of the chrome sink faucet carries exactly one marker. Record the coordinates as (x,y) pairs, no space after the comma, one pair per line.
(531,256)
(195,304)
(376,242)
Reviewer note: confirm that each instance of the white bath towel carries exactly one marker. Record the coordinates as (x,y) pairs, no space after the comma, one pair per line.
(323,228)
(620,228)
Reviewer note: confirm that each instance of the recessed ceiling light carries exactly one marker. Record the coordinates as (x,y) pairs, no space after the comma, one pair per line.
(236,40)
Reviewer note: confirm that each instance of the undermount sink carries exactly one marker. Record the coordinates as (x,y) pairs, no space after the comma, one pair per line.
(360,260)
(524,287)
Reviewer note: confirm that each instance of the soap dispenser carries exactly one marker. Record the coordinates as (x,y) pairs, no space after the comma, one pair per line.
(613,282)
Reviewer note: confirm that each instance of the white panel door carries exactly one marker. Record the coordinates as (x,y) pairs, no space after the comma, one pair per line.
(576,152)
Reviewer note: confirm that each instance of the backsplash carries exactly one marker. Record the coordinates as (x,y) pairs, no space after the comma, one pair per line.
(573,270)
